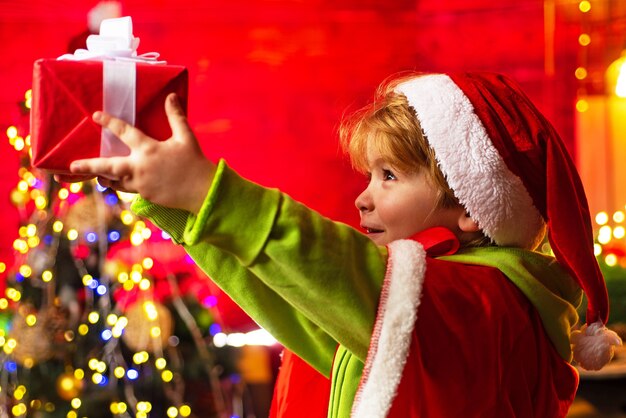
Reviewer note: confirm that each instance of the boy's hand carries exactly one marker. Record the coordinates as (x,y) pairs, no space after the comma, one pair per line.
(173,173)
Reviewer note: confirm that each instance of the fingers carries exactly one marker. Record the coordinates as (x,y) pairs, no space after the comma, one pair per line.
(177,118)
(124,131)
(68,178)
(113,168)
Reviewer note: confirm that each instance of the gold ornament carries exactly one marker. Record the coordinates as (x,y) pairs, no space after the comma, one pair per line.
(85,213)
(38,335)
(32,339)
(69,386)
(149,326)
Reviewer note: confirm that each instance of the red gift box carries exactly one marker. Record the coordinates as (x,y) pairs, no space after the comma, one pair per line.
(65,95)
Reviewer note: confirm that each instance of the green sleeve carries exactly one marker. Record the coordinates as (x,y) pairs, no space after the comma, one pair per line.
(309,281)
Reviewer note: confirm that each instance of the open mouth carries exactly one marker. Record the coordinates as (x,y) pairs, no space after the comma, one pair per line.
(373,230)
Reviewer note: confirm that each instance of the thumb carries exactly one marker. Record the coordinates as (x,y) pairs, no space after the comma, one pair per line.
(177,118)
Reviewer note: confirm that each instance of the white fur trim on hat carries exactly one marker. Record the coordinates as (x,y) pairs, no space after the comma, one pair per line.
(494,196)
(395,321)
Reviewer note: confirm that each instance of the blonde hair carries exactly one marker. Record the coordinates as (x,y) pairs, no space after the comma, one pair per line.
(390,125)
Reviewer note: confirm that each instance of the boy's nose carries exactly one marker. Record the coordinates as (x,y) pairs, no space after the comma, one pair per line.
(363,202)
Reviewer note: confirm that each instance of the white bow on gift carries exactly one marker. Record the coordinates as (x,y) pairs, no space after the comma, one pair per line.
(115,42)
(116,47)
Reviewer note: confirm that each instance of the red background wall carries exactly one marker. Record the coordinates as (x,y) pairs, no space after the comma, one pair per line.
(270,79)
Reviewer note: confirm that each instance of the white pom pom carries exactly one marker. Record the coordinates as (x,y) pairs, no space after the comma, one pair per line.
(594,345)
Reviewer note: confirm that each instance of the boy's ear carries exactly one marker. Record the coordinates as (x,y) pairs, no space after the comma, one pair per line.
(467,224)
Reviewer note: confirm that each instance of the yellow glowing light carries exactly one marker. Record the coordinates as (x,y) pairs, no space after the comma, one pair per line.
(57,226)
(13,294)
(160,363)
(136,238)
(126,197)
(4,303)
(64,193)
(584,6)
(31,230)
(114,408)
(184,410)
(97,378)
(136,276)
(619,232)
(69,336)
(79,374)
(11,131)
(615,76)
(144,406)
(172,412)
(29,362)
(19,144)
(31,320)
(22,231)
(141,414)
(19,392)
(150,309)
(33,242)
(87,278)
(128,286)
(41,202)
(93,363)
(122,277)
(147,263)
(580,73)
(101,367)
(75,403)
(22,186)
(602,218)
(93,317)
(83,329)
(76,187)
(28,141)
(111,319)
(155,332)
(121,407)
(72,414)
(19,409)
(610,260)
(582,105)
(604,234)
(119,372)
(127,217)
(72,234)
(46,276)
(167,376)
(140,357)
(146,233)
(584,39)
(144,284)
(619,216)
(597,249)
(25,270)
(122,322)
(20,245)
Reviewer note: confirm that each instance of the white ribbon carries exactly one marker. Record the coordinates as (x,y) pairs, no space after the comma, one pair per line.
(116,47)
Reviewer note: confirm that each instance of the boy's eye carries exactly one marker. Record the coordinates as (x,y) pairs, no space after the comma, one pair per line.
(388,175)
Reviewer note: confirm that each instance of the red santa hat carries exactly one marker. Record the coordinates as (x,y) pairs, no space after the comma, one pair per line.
(508,167)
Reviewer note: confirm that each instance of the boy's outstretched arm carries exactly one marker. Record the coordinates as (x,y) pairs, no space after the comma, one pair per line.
(173,173)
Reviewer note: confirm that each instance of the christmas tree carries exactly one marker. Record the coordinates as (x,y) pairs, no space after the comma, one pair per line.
(103,316)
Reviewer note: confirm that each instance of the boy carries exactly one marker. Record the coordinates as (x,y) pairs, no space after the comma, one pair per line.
(410,327)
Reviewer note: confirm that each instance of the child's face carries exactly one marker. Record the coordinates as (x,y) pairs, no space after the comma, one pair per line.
(397,205)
